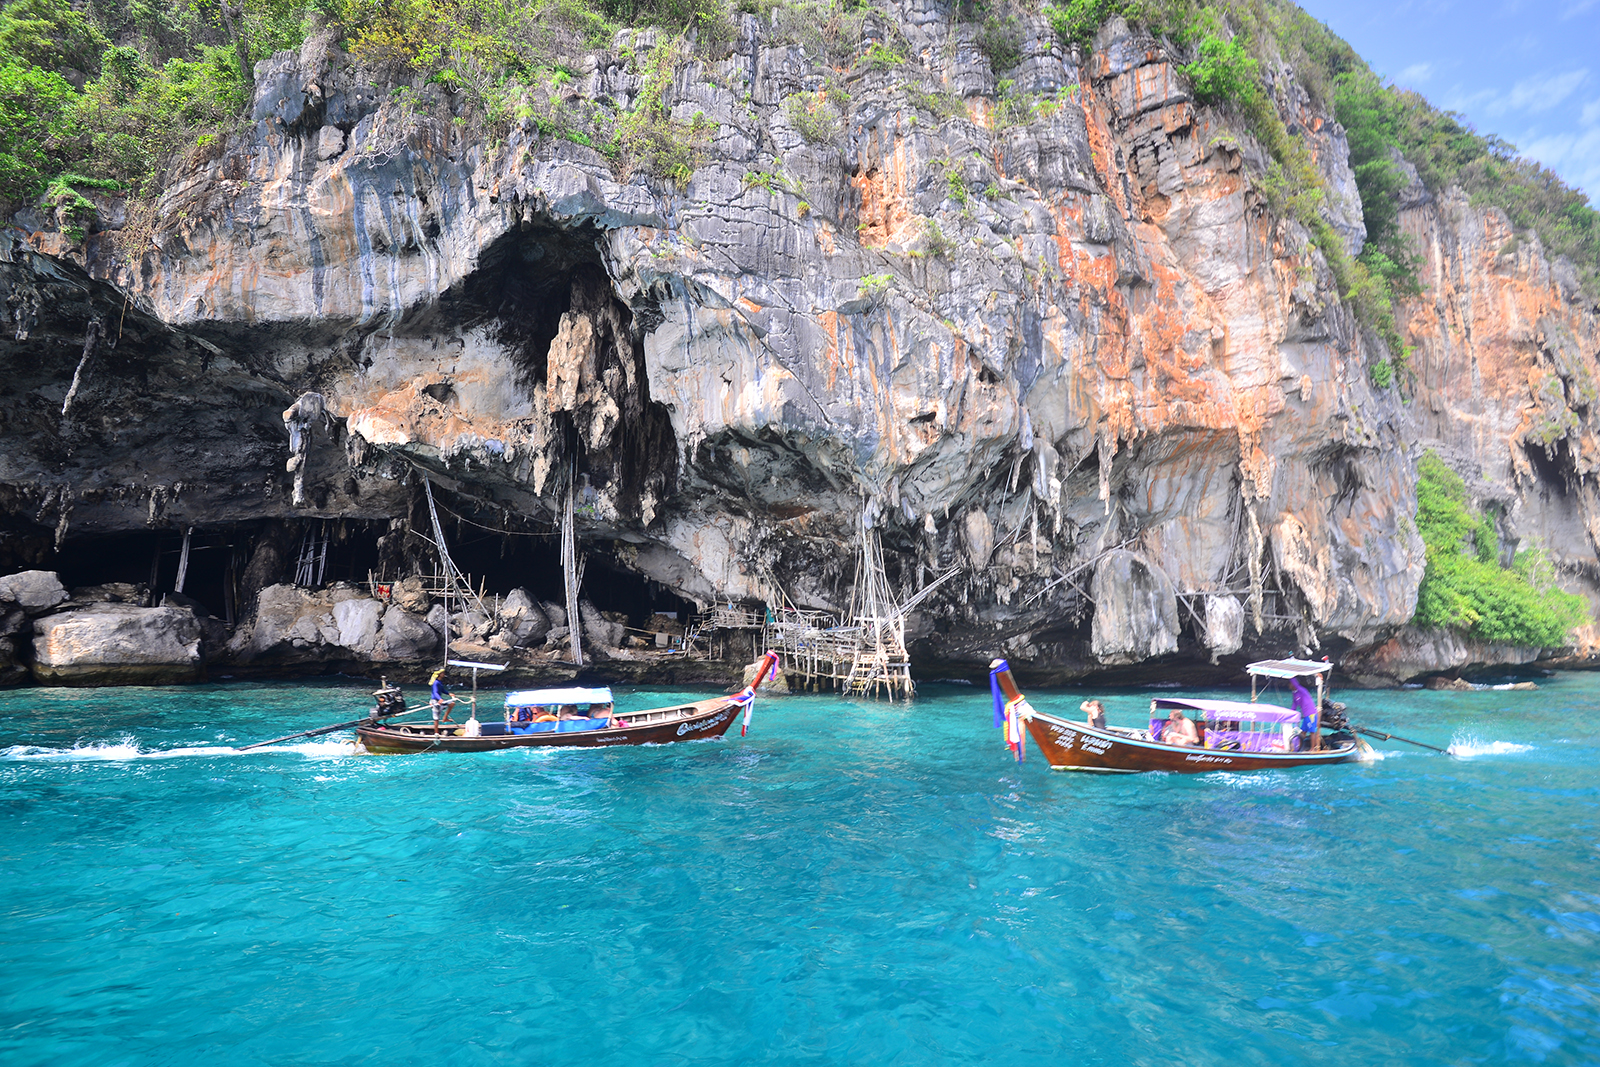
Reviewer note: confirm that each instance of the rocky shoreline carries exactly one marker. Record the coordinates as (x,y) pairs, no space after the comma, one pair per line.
(113,635)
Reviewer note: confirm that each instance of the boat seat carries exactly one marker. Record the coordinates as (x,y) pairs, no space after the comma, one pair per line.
(573,726)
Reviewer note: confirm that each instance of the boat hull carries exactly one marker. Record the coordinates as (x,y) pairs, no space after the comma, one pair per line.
(1076,746)
(693,722)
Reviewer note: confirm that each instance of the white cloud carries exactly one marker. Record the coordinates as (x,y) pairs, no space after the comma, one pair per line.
(1543,93)
(1574,156)
(1573,10)
(1416,74)
(1591,112)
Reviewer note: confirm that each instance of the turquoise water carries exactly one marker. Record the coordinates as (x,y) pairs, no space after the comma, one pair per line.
(850,884)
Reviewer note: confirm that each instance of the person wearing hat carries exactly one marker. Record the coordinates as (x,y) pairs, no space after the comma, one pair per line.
(440,699)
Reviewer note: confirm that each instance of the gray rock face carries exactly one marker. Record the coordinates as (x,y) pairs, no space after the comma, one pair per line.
(406,638)
(1136,613)
(358,622)
(118,644)
(1413,653)
(1224,617)
(35,592)
(599,630)
(336,625)
(522,621)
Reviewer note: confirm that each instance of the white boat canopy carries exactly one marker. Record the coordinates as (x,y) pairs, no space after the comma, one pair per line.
(545,697)
(1288,668)
(476,665)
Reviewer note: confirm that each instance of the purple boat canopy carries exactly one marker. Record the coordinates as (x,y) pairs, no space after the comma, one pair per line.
(1228,710)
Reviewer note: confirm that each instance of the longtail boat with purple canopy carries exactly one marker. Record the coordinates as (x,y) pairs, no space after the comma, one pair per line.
(1187,734)
(571,717)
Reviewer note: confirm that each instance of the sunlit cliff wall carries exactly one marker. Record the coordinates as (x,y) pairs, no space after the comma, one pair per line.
(1074,357)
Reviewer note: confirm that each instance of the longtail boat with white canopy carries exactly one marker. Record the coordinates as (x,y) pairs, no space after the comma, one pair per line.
(569,717)
(1188,734)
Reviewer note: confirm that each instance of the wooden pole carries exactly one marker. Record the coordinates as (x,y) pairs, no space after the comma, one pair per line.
(569,568)
(183,560)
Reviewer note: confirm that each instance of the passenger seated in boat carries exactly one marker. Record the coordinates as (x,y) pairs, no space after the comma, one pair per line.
(1179,730)
(1096,712)
(570,711)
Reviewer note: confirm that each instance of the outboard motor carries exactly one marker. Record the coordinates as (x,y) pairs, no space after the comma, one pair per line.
(1336,723)
(390,701)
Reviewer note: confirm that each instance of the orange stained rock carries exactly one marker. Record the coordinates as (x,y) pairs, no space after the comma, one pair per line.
(1102,149)
(824,236)
(884,187)
(831,356)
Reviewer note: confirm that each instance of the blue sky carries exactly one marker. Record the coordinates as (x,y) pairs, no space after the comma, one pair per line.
(1526,70)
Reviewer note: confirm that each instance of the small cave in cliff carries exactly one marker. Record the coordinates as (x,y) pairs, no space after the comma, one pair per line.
(1552,466)
(546,296)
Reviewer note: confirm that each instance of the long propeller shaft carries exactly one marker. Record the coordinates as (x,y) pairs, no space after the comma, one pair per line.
(1381,736)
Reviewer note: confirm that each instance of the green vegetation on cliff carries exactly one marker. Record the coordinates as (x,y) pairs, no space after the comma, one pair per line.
(121,90)
(1466,588)
(1230,42)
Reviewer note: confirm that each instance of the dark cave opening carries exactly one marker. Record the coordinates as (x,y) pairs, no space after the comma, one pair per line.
(332,550)
(524,285)
(151,558)
(1551,467)
(502,562)
(324,551)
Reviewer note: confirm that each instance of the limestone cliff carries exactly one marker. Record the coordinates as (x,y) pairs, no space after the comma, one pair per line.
(1061,345)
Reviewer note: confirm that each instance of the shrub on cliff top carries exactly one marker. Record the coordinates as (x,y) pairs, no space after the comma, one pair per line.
(1464,586)
(1222,71)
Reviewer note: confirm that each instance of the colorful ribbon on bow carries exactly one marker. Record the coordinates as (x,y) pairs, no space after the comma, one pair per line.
(1016,737)
(745,698)
(1008,714)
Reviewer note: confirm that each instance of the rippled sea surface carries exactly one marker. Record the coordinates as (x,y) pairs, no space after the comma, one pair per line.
(852,883)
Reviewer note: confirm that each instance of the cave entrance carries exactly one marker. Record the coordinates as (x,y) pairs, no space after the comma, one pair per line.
(547,298)
(524,283)
(332,550)
(151,558)
(499,561)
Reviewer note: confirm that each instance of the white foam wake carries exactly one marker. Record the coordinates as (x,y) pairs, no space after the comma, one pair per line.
(127,748)
(1470,745)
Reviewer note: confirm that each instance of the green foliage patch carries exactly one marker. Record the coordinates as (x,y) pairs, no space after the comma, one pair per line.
(1466,588)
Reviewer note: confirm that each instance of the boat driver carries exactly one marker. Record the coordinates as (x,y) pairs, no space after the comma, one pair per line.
(440,699)
(1179,730)
(1306,705)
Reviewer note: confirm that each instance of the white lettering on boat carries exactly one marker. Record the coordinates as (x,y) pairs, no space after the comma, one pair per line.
(1091,743)
(1199,758)
(691,727)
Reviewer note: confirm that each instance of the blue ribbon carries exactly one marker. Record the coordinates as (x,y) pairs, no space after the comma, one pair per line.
(999,698)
